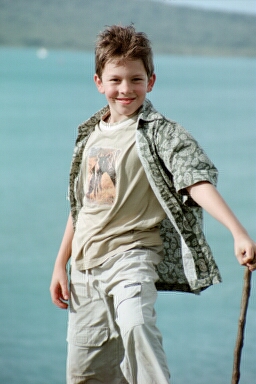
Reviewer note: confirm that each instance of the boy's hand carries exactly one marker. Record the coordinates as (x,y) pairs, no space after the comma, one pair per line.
(59,287)
(245,251)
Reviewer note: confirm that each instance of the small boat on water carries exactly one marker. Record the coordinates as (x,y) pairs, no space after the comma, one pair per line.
(42,53)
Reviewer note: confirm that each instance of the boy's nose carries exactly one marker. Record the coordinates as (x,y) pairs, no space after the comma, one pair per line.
(125,87)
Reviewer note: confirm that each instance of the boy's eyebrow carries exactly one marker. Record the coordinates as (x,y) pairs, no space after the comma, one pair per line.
(132,75)
(139,75)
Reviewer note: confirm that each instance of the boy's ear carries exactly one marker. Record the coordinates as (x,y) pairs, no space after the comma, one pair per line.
(151,82)
(99,83)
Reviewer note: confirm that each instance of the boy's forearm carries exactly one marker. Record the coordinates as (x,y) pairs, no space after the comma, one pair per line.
(66,244)
(207,196)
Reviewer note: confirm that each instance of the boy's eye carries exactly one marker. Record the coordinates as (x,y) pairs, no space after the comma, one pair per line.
(114,80)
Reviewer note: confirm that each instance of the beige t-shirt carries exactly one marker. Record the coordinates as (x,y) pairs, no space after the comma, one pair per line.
(120,210)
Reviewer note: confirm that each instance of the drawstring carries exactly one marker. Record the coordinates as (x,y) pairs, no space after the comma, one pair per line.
(87,281)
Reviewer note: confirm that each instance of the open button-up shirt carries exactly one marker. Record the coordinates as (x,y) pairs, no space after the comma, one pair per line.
(173,161)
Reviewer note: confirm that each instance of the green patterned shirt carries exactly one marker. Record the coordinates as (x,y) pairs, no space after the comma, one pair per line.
(173,161)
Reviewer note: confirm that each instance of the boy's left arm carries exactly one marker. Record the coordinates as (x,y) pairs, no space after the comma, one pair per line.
(207,196)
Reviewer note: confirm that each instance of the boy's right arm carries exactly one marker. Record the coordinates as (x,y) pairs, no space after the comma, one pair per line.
(59,284)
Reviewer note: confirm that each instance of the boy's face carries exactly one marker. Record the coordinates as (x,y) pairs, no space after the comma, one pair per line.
(125,86)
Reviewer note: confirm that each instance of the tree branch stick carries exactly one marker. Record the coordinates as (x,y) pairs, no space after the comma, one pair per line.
(241,327)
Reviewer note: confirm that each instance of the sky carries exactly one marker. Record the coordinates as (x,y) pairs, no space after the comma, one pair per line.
(245,6)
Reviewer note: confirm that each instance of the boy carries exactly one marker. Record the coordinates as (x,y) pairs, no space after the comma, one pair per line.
(137,185)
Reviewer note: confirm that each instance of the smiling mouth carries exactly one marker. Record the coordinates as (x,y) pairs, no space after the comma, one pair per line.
(125,100)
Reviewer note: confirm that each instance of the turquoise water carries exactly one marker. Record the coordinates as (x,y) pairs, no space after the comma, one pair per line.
(41,103)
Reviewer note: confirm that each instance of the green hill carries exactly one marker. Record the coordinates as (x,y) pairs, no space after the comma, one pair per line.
(74,24)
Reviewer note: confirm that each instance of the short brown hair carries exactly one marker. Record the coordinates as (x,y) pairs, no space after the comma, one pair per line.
(123,43)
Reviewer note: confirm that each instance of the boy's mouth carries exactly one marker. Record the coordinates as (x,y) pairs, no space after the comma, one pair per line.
(125,100)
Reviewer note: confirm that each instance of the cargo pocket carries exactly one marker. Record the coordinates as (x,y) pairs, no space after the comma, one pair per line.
(88,337)
(128,306)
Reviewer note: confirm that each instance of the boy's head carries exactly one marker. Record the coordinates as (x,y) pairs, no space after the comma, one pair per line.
(121,44)
(124,70)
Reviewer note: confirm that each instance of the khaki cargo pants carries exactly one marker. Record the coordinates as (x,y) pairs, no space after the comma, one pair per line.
(112,333)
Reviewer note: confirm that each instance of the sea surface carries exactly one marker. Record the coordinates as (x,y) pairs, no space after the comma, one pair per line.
(43,97)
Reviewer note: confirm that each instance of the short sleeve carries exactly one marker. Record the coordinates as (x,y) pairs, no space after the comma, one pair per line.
(184,158)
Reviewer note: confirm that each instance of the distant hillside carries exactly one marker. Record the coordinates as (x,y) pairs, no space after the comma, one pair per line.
(74,24)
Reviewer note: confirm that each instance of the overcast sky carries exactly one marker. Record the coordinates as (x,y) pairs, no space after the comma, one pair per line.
(247,6)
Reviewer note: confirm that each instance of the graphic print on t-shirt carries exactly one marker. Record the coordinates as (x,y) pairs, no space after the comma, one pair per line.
(101,179)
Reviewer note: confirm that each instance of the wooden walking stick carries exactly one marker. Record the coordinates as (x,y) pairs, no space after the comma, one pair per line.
(241,327)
